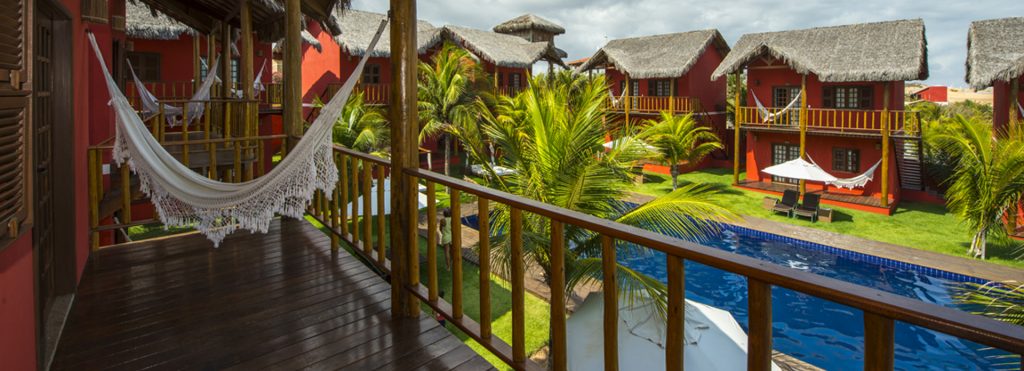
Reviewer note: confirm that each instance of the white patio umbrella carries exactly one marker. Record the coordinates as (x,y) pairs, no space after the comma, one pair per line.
(616,142)
(800,169)
(421,199)
(713,339)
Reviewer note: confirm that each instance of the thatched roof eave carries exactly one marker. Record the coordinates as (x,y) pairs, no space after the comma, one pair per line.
(657,56)
(995,51)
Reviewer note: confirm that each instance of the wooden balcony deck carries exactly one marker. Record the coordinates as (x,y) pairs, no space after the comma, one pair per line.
(280,300)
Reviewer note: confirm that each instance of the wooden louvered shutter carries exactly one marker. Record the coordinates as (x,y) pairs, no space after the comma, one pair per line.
(14,200)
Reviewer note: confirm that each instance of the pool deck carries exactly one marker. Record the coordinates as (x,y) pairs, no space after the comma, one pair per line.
(949,263)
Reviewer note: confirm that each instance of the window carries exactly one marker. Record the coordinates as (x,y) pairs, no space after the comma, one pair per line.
(146,65)
(847,97)
(659,88)
(234,72)
(781,97)
(371,73)
(514,81)
(846,159)
(782,153)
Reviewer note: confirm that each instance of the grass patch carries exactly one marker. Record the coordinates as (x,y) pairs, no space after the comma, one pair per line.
(537,311)
(917,225)
(147,231)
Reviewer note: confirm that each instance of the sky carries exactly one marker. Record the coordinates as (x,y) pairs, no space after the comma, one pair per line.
(589,24)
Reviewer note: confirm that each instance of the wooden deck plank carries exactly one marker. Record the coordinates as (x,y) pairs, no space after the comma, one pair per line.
(279,300)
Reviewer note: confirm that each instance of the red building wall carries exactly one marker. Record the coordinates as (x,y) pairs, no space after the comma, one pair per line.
(763,77)
(176,62)
(1001,102)
(320,68)
(934,94)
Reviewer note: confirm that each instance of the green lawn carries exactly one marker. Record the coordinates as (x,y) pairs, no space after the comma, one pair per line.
(537,310)
(917,225)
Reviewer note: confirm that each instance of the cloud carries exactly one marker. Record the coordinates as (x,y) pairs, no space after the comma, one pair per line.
(589,24)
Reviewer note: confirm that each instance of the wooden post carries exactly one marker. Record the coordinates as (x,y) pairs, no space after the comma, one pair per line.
(225,59)
(95,184)
(736,119)
(404,155)
(211,52)
(878,342)
(628,92)
(558,342)
(674,325)
(611,304)
(196,65)
(483,216)
(884,196)
(245,15)
(456,253)
(292,115)
(672,97)
(759,343)
(517,275)
(803,127)
(1014,98)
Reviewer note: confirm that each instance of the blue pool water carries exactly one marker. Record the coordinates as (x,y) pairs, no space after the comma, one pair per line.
(817,331)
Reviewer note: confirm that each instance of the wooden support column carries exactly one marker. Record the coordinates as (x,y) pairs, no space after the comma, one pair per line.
(292,115)
(628,92)
(736,118)
(1013,119)
(404,154)
(225,59)
(245,15)
(672,96)
(196,65)
(884,197)
(803,127)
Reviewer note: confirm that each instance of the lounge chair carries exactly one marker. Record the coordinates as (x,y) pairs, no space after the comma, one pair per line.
(788,202)
(810,206)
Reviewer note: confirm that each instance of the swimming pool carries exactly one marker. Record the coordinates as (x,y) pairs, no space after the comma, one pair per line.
(817,331)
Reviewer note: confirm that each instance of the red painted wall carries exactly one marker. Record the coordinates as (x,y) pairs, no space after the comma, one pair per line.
(320,68)
(176,63)
(1001,102)
(17,306)
(761,78)
(934,94)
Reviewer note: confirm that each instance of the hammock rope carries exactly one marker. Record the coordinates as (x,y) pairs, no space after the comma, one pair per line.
(854,182)
(616,101)
(766,114)
(182,197)
(151,106)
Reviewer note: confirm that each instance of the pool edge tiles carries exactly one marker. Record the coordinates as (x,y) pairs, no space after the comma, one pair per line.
(854,255)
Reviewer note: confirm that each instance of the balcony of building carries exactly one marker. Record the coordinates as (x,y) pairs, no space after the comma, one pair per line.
(269,97)
(654,105)
(830,121)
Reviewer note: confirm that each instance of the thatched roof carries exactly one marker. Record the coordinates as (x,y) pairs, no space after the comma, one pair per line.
(881,51)
(658,56)
(995,51)
(527,22)
(501,49)
(142,22)
(358,28)
(207,16)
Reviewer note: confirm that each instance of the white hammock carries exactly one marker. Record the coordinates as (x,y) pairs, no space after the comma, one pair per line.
(766,114)
(151,106)
(854,182)
(216,78)
(1021,109)
(616,101)
(257,85)
(182,197)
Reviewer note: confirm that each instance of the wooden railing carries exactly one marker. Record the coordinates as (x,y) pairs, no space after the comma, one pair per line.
(881,309)
(224,144)
(373,94)
(509,91)
(648,104)
(273,96)
(182,90)
(835,120)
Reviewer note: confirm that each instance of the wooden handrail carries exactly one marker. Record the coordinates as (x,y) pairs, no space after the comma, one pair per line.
(947,320)
(832,119)
(654,104)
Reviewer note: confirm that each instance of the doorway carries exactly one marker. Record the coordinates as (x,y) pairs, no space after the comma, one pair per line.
(53,182)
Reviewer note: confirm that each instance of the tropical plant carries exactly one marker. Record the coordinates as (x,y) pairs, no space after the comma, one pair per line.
(361,127)
(447,99)
(987,180)
(552,136)
(735,84)
(679,139)
(1002,301)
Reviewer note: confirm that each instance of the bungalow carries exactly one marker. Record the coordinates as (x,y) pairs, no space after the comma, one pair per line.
(935,94)
(670,72)
(834,96)
(995,57)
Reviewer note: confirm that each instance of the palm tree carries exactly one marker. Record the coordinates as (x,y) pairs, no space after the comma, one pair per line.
(552,136)
(988,178)
(362,127)
(446,95)
(678,139)
(1003,301)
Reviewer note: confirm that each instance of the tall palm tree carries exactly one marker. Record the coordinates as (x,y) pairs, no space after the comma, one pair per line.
(552,135)
(447,96)
(362,127)
(678,139)
(988,178)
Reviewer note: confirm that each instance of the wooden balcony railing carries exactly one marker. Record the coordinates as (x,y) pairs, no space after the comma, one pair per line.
(648,104)
(833,120)
(182,90)
(881,309)
(509,91)
(224,143)
(274,95)
(373,94)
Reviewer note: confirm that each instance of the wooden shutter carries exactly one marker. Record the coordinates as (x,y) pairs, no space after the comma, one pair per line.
(828,97)
(13,123)
(865,98)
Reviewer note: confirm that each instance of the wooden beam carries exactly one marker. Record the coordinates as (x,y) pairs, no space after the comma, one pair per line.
(672,96)
(736,118)
(674,325)
(759,343)
(884,196)
(245,15)
(803,127)
(1013,119)
(197,77)
(879,340)
(292,115)
(559,349)
(611,304)
(628,101)
(225,60)
(404,153)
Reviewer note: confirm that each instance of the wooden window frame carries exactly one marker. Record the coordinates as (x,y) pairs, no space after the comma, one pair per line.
(788,148)
(854,97)
(14,93)
(143,70)
(654,87)
(515,81)
(841,159)
(371,74)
